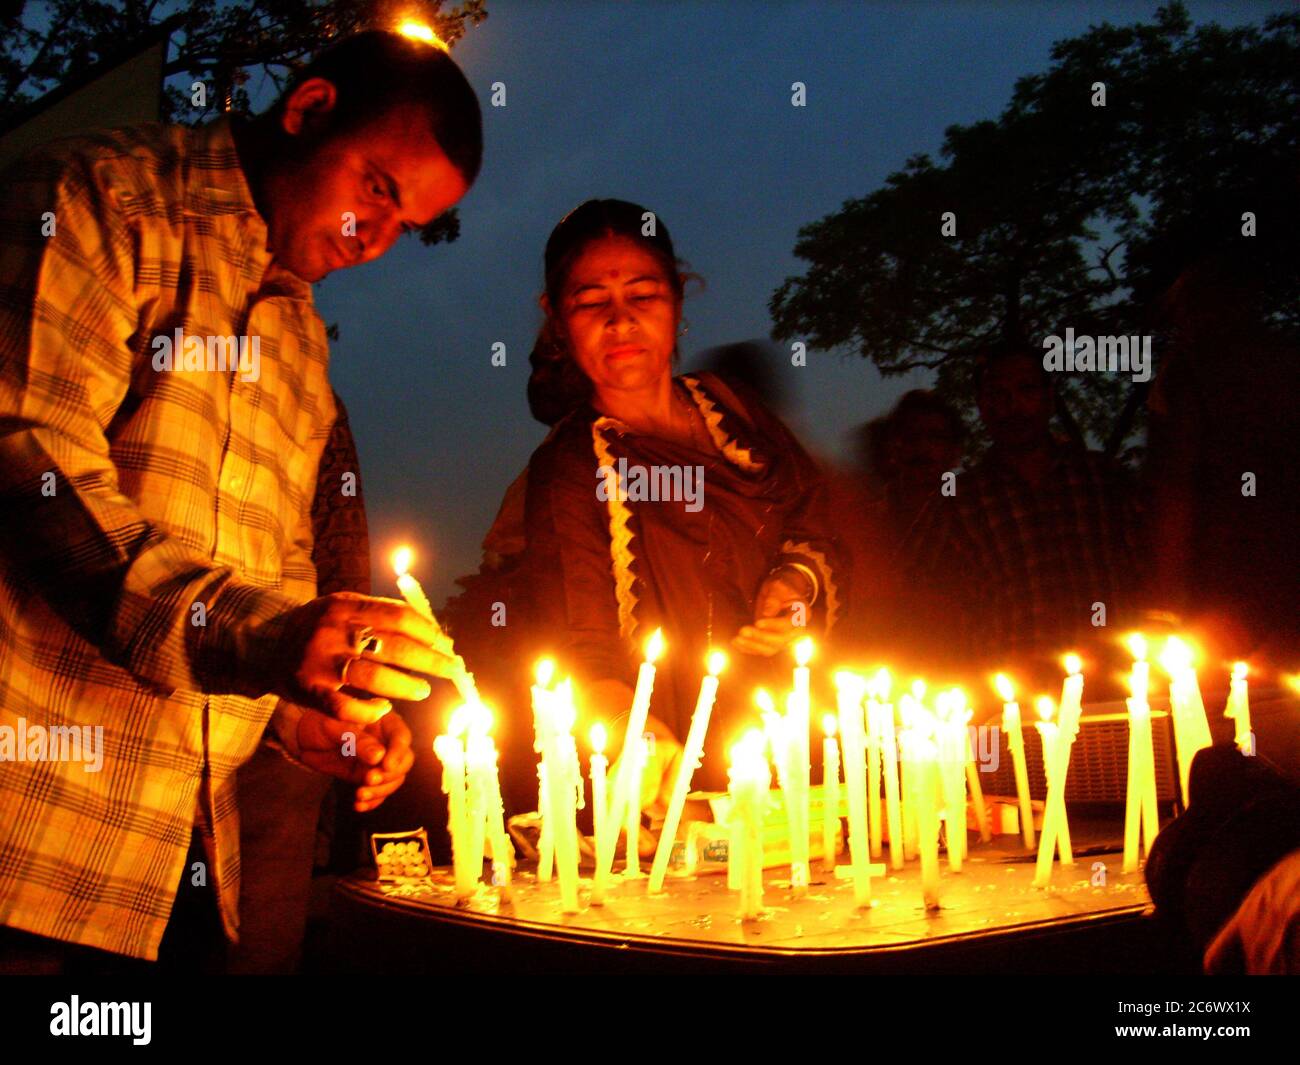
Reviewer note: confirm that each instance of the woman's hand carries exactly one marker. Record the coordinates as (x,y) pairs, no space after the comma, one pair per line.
(781,612)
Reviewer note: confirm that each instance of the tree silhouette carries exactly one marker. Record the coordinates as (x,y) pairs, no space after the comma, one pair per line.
(1068,213)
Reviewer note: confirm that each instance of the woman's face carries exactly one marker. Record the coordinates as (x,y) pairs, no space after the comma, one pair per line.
(619,314)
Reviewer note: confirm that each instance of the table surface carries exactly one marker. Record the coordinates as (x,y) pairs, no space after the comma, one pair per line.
(993,895)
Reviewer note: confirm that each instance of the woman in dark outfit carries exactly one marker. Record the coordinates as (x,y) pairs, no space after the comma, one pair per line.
(739,559)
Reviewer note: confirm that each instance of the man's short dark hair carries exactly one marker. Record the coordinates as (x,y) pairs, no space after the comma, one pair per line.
(991,354)
(375,70)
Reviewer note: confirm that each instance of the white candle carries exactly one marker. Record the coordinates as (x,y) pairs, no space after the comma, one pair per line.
(830,792)
(479,757)
(922,785)
(564,784)
(1016,744)
(750,779)
(450,750)
(500,849)
(875,820)
(1140,812)
(800,772)
(543,715)
(692,756)
(1191,727)
(889,757)
(414,595)
(950,736)
(627,779)
(850,690)
(599,813)
(1238,709)
(1055,834)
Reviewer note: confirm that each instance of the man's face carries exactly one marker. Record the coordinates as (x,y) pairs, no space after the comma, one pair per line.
(348,196)
(1015,403)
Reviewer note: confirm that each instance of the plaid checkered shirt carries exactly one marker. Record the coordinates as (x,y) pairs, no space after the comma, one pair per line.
(1021,567)
(131,493)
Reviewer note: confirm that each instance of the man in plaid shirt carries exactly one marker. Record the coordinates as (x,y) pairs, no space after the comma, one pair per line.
(1033,536)
(157,595)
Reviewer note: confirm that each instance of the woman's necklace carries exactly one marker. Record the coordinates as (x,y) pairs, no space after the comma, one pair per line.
(697,441)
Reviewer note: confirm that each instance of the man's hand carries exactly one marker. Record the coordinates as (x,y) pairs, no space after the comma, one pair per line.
(321,642)
(378,759)
(782,599)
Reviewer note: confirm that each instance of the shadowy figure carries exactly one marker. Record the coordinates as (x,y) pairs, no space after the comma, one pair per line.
(1035,551)
(1222,471)
(904,456)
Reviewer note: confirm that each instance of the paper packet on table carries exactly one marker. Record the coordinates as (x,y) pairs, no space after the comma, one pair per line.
(401,857)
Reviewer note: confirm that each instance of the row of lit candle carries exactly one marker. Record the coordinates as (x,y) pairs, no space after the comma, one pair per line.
(924,762)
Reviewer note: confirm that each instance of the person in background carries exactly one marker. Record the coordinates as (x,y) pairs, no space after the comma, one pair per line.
(906,454)
(1038,539)
(1221,471)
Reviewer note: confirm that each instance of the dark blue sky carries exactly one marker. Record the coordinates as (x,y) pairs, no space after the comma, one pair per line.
(684,107)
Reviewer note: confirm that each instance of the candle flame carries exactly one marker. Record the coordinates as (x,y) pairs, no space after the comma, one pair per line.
(1002,683)
(828,725)
(1045,708)
(654,647)
(402,559)
(763,699)
(1137,645)
(918,689)
(598,738)
(1073,663)
(750,748)
(566,715)
(458,722)
(420,31)
(1239,671)
(544,672)
(882,681)
(803,651)
(717,662)
(849,683)
(1176,656)
(478,718)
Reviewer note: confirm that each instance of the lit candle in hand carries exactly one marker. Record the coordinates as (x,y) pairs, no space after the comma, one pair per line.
(415,597)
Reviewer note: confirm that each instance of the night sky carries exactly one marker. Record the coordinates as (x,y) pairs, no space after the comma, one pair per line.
(685,108)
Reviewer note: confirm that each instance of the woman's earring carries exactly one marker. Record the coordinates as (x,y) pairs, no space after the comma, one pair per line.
(686,328)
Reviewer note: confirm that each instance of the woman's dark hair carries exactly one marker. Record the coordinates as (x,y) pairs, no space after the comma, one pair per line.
(557,385)
(376,69)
